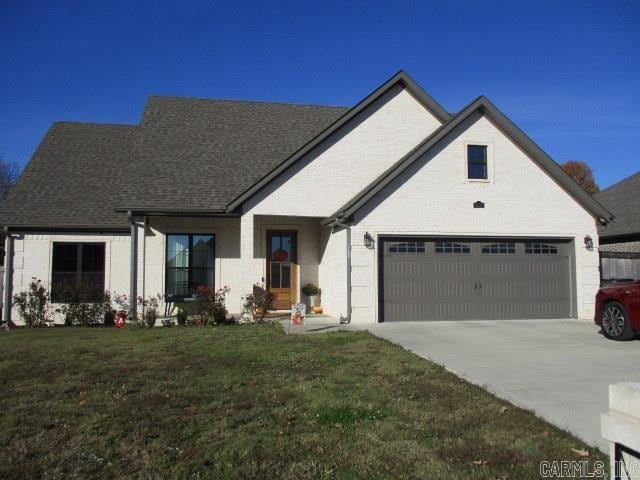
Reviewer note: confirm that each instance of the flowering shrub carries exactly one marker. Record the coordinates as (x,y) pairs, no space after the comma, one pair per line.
(83,304)
(258,302)
(33,305)
(149,309)
(211,304)
(123,304)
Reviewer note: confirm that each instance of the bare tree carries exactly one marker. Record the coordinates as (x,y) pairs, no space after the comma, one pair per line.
(582,174)
(9,172)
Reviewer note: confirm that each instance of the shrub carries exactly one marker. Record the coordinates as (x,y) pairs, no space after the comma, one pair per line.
(310,290)
(33,305)
(83,304)
(258,302)
(149,307)
(211,305)
(122,303)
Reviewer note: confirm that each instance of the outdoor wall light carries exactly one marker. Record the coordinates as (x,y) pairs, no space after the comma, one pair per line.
(368,240)
(588,242)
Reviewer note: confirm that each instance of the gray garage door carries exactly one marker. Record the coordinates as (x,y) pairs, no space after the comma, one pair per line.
(457,279)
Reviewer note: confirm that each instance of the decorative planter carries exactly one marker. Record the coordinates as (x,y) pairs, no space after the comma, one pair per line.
(317,309)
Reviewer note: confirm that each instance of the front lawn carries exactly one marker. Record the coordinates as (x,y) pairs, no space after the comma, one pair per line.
(250,401)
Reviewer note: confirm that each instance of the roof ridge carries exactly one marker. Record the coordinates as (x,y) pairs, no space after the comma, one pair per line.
(619,183)
(233,100)
(95,124)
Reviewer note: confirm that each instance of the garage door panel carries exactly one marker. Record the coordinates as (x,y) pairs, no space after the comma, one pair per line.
(477,278)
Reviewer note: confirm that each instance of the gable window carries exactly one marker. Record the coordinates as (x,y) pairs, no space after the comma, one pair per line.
(499,248)
(77,265)
(452,247)
(189,263)
(406,247)
(477,162)
(540,248)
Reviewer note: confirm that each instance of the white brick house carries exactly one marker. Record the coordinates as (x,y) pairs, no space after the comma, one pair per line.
(395,208)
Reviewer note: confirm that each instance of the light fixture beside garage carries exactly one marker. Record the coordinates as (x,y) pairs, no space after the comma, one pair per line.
(588,242)
(478,204)
(368,240)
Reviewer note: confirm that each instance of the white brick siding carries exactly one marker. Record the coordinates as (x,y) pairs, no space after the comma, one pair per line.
(33,253)
(349,160)
(434,197)
(333,272)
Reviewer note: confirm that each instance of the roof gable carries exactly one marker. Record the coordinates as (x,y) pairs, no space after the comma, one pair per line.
(401,78)
(483,105)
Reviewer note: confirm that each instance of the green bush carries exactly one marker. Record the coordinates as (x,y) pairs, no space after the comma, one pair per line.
(83,304)
(33,305)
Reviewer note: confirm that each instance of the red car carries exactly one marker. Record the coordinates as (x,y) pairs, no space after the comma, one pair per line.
(618,310)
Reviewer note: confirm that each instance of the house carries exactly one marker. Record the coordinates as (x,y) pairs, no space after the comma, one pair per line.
(620,239)
(623,200)
(396,208)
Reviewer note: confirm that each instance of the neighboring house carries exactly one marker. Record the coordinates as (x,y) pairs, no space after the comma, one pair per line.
(623,200)
(620,239)
(396,208)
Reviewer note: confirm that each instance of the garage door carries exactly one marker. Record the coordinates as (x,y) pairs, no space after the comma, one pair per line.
(457,279)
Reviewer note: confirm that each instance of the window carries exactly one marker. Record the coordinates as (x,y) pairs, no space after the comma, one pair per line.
(406,247)
(190,263)
(477,162)
(499,248)
(452,247)
(540,248)
(77,265)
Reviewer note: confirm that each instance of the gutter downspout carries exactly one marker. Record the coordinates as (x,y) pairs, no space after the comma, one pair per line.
(133,286)
(348,229)
(8,280)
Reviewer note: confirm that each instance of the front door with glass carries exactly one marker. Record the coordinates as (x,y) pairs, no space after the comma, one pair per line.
(281,267)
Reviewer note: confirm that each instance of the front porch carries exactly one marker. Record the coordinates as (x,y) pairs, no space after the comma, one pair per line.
(172,255)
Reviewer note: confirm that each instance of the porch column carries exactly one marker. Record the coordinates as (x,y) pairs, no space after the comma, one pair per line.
(133,285)
(246,253)
(8,279)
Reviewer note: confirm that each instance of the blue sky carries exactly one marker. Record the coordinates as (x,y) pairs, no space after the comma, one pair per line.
(568,73)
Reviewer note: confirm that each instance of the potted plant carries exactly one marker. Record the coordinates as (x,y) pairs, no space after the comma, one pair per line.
(258,302)
(313,292)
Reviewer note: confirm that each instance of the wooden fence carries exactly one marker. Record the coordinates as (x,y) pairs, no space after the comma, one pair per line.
(616,266)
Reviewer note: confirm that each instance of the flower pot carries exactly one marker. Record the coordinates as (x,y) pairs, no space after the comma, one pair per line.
(259,311)
(317,309)
(314,300)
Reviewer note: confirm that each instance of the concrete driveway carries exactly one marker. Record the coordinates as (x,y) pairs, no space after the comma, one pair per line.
(560,369)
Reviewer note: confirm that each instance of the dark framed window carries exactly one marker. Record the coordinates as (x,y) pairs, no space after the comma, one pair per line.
(77,265)
(477,162)
(189,263)
(540,249)
(407,247)
(499,248)
(452,247)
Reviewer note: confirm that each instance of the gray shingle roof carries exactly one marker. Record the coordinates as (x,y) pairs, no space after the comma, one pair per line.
(73,178)
(623,200)
(186,153)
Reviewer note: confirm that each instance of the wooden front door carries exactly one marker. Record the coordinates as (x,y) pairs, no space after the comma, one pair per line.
(282,257)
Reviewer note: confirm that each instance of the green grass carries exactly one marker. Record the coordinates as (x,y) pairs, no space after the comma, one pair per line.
(250,401)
